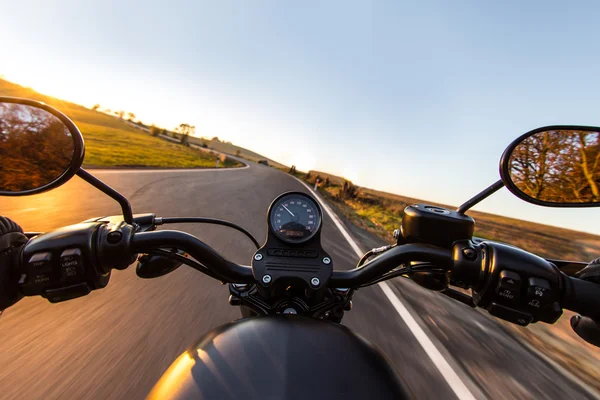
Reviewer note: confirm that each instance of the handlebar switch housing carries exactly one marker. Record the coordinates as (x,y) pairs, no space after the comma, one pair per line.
(518,286)
(113,243)
(61,264)
(468,264)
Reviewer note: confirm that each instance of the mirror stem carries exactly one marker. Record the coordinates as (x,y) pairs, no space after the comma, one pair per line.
(97,183)
(480,196)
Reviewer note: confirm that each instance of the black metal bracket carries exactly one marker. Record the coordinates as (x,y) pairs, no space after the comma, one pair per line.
(104,188)
(480,196)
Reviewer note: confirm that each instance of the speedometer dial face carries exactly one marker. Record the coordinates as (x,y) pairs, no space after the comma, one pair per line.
(295,218)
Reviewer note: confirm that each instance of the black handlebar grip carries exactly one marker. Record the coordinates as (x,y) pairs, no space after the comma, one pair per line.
(587,329)
(12,240)
(582,297)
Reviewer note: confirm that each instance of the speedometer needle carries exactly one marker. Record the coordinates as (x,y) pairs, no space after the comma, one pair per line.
(288,210)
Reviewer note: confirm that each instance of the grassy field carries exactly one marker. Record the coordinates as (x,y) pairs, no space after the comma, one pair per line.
(112,142)
(381,213)
(232,149)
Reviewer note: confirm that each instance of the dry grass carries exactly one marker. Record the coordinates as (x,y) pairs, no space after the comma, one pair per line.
(382,212)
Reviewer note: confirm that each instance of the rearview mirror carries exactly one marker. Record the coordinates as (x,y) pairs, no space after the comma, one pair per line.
(40,148)
(555,166)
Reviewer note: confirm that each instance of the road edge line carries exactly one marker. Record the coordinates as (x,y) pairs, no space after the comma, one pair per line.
(450,376)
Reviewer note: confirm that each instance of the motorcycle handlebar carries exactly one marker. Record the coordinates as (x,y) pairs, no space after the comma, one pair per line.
(226,270)
(231,272)
(388,261)
(582,297)
(578,295)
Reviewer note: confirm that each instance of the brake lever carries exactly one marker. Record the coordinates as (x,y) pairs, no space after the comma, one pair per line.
(570,268)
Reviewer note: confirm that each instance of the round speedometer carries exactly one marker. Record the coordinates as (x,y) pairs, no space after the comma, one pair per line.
(294,217)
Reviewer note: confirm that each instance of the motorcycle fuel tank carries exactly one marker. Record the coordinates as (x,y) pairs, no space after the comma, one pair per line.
(280,357)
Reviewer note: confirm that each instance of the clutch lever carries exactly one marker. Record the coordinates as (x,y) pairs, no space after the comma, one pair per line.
(568,267)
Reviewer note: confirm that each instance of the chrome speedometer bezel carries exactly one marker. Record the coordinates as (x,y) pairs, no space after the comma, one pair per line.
(305,196)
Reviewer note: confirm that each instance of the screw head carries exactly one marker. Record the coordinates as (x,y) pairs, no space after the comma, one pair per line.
(258,256)
(470,253)
(315,281)
(266,279)
(114,237)
(326,260)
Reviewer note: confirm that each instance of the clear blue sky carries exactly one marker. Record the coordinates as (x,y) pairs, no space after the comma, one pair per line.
(417,98)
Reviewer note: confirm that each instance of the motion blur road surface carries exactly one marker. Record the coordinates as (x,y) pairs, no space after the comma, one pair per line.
(116,342)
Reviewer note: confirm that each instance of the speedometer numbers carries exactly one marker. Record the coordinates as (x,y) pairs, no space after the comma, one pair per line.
(295,218)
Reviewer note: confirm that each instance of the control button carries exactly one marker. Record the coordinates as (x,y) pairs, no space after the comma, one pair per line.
(539,293)
(67,293)
(40,268)
(509,286)
(114,237)
(71,263)
(40,260)
(470,253)
(510,315)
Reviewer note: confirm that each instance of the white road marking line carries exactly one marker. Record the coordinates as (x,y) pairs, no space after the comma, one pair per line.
(456,384)
(159,171)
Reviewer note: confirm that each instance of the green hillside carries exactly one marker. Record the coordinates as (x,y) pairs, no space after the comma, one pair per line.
(111,141)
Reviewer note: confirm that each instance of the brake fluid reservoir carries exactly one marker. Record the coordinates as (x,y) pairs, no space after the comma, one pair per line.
(434,225)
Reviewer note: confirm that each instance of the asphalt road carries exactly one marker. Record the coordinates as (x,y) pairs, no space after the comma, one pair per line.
(115,343)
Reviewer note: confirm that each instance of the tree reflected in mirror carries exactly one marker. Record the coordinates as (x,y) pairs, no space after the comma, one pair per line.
(558,166)
(36,147)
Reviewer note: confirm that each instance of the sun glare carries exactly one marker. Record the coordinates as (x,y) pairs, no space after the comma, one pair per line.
(303,161)
(63,89)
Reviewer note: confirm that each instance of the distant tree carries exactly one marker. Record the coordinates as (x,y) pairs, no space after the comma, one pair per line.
(120,114)
(307,176)
(95,107)
(185,130)
(130,116)
(238,152)
(154,131)
(292,169)
(216,139)
(163,132)
(327,182)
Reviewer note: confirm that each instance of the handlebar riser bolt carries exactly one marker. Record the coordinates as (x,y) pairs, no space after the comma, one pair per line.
(258,256)
(266,279)
(396,233)
(470,254)
(326,260)
(315,281)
